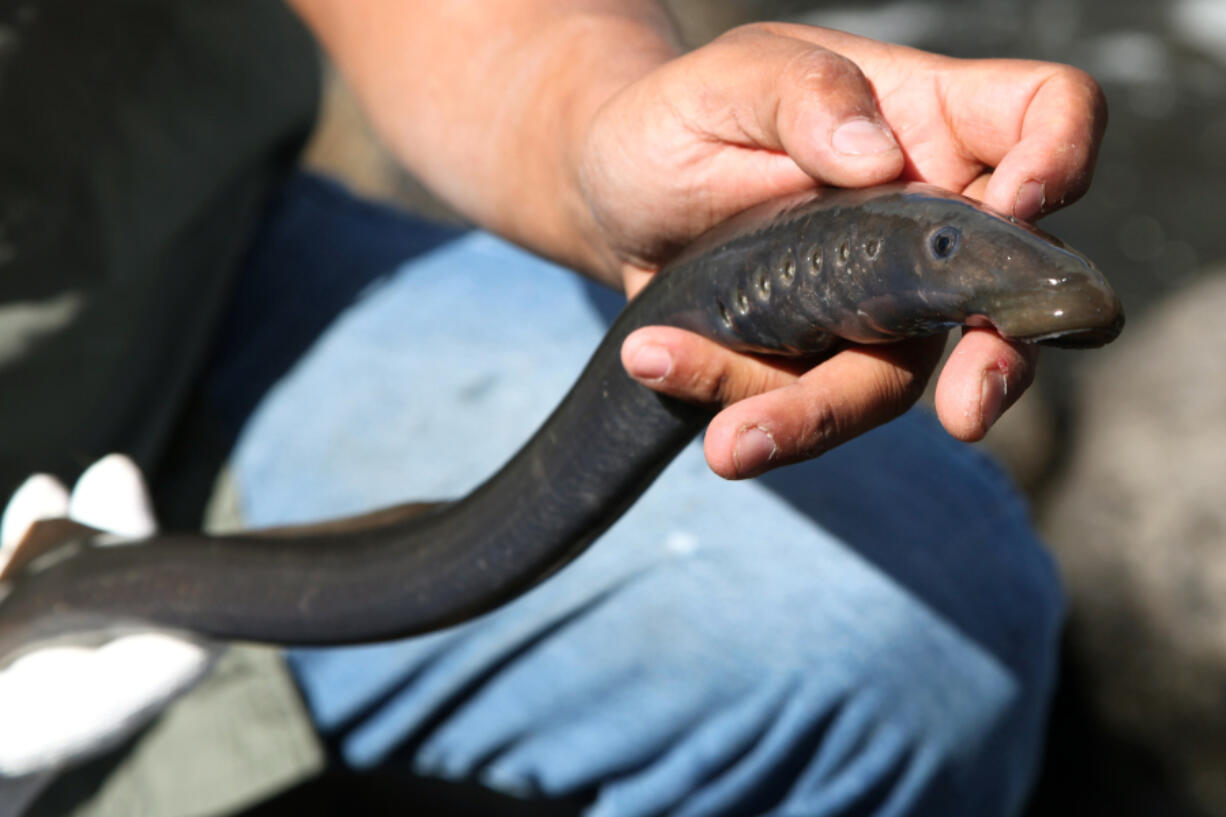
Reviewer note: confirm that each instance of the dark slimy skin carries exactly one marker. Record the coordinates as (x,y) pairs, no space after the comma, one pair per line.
(798,277)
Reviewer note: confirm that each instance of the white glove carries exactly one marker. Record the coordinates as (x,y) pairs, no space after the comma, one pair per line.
(63,703)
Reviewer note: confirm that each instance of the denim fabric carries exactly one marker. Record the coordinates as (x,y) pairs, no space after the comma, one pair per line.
(872,632)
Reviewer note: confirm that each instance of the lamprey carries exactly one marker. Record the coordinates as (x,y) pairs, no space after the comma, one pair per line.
(801,277)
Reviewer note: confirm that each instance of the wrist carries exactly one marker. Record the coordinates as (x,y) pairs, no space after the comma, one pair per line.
(588,61)
(490,102)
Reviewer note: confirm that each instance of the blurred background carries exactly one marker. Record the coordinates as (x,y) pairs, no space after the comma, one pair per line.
(1123,452)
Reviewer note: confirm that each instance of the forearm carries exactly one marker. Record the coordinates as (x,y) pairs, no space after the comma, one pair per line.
(488,101)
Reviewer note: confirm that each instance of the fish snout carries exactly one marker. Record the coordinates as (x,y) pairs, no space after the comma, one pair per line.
(1079,311)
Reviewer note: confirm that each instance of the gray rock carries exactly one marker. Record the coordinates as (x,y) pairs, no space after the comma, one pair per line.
(1138,523)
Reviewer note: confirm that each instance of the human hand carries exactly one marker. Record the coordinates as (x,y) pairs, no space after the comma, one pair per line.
(61,703)
(771,109)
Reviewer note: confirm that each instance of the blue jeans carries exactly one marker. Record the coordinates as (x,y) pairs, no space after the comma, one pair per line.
(872,632)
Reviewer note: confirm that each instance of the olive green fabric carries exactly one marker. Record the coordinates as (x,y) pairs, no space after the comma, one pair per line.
(140,139)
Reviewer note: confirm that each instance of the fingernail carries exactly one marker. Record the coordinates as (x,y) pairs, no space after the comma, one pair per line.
(992,397)
(754,449)
(651,363)
(862,137)
(1029,202)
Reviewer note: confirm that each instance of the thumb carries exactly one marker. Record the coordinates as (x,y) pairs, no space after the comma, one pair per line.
(814,105)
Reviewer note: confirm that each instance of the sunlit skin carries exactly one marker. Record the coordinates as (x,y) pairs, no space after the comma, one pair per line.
(584,133)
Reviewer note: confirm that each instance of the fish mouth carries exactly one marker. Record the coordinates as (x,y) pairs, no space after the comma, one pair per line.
(1082,338)
(1081,313)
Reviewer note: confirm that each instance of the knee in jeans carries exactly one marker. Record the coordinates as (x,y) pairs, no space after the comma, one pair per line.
(891,703)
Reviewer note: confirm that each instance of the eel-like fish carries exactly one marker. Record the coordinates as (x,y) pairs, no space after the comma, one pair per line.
(800,277)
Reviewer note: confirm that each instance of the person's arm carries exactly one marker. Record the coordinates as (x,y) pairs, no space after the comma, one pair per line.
(488,102)
(578,130)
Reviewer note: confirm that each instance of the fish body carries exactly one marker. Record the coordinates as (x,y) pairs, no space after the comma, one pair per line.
(800,277)
(883,264)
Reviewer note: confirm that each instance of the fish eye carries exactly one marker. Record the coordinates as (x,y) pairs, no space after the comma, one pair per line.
(944,242)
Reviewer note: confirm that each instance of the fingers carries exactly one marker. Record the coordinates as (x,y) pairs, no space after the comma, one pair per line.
(112,496)
(982,378)
(775,415)
(1020,135)
(1023,136)
(692,368)
(1050,120)
(841,398)
(60,702)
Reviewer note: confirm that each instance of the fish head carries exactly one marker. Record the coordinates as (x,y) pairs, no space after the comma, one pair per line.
(953,261)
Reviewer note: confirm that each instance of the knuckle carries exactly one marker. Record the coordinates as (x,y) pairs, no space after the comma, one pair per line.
(907,387)
(753,32)
(745,31)
(824,70)
(822,429)
(807,64)
(758,380)
(707,384)
(1065,77)
(895,389)
(1084,84)
(750,36)
(731,386)
(1087,104)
